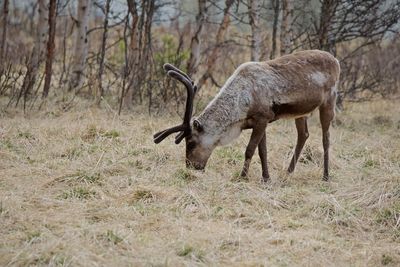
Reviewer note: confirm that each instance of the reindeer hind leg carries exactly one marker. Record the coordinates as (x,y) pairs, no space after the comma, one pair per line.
(326,114)
(262,152)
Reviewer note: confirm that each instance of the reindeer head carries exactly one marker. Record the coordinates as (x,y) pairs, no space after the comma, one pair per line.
(198,150)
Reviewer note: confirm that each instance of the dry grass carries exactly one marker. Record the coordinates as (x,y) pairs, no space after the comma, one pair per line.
(90,188)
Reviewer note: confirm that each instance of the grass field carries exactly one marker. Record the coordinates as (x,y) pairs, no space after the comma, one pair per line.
(89,188)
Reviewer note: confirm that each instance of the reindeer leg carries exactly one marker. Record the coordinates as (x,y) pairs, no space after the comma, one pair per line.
(326,114)
(262,152)
(302,135)
(256,136)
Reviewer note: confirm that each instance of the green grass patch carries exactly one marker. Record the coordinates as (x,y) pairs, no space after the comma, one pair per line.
(370,163)
(81,193)
(388,216)
(92,132)
(184,175)
(231,155)
(386,259)
(111,134)
(31,236)
(142,195)
(188,251)
(113,237)
(94,178)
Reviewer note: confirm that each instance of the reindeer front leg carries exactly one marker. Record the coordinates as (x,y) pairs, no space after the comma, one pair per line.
(255,139)
(302,136)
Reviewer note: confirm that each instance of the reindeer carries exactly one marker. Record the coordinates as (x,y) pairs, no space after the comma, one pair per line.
(258,93)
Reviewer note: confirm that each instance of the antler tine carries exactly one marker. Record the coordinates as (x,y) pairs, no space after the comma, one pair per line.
(158,137)
(184,128)
(190,94)
(167,67)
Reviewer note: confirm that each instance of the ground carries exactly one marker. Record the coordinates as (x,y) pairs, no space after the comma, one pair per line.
(90,188)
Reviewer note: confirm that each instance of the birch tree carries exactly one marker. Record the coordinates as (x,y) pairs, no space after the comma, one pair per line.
(38,52)
(133,52)
(328,10)
(3,34)
(275,5)
(133,10)
(100,89)
(285,37)
(254,20)
(50,47)
(41,34)
(195,44)
(140,49)
(81,45)
(211,60)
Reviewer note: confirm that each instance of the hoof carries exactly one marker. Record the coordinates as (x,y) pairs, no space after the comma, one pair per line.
(265,179)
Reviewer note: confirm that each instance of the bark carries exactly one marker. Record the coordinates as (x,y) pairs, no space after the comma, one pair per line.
(42,30)
(132,7)
(140,51)
(100,89)
(150,8)
(38,53)
(195,44)
(328,9)
(276,5)
(133,51)
(63,44)
(81,45)
(285,27)
(126,64)
(50,47)
(254,20)
(4,34)
(219,38)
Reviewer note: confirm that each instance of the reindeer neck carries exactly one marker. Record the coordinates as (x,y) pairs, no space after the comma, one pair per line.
(230,106)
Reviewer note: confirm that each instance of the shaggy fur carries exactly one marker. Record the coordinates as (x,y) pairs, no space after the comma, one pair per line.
(258,93)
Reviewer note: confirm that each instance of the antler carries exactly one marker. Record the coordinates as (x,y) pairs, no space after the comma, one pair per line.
(191,89)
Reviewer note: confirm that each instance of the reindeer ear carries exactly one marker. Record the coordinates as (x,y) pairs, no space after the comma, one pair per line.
(197,126)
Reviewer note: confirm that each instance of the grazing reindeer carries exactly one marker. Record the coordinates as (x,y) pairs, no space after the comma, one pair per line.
(259,93)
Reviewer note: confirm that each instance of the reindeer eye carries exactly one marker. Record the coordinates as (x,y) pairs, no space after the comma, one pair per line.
(197,126)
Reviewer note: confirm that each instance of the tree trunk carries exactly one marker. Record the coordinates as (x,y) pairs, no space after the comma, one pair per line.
(81,45)
(132,7)
(276,5)
(219,38)
(254,19)
(42,30)
(285,27)
(50,47)
(100,89)
(195,44)
(4,35)
(328,9)
(133,52)
(37,53)
(150,9)
(126,63)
